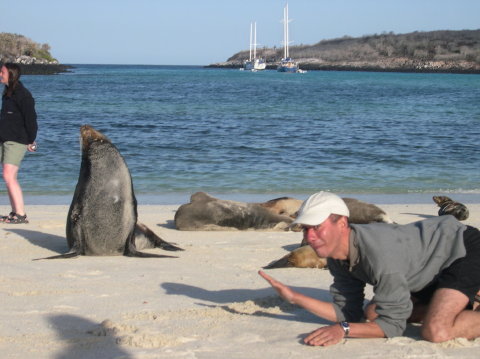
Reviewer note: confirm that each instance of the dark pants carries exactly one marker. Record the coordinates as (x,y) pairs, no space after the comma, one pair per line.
(462,275)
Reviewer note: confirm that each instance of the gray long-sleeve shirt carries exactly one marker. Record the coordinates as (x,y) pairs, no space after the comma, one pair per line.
(396,260)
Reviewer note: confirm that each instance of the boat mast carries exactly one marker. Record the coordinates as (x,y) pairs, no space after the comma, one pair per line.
(251,29)
(255,40)
(286,39)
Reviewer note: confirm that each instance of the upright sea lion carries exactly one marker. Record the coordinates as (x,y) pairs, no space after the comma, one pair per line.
(102,219)
(449,206)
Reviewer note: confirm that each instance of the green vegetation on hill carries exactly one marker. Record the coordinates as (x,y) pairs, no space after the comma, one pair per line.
(18,48)
(442,51)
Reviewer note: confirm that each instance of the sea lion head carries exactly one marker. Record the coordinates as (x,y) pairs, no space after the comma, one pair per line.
(89,135)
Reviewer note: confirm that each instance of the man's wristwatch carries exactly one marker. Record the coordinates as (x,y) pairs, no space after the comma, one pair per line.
(346,328)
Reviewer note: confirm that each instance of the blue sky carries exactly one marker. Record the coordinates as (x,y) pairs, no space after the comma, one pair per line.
(201,32)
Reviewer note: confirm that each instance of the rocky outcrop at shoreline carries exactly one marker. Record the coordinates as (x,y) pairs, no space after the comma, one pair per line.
(394,65)
(391,65)
(44,69)
(434,51)
(32,66)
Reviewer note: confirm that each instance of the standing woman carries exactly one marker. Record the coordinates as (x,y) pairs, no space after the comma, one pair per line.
(18,130)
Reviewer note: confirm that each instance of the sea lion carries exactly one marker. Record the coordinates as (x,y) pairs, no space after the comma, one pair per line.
(301,257)
(360,213)
(285,206)
(305,257)
(207,213)
(102,219)
(449,206)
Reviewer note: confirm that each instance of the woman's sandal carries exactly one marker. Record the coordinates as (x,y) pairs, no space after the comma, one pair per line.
(4,218)
(15,218)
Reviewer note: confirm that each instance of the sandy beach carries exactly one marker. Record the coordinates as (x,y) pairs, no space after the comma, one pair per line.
(207,303)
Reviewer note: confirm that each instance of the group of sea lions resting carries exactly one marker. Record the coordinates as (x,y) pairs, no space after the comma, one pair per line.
(102,219)
(205,213)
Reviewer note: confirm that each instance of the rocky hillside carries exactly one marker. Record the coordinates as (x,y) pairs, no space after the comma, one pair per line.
(34,58)
(434,51)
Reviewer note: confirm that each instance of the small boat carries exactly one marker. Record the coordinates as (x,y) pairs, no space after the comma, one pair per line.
(254,64)
(287,64)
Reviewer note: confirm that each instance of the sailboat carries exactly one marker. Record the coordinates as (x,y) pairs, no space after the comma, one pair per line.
(286,64)
(254,64)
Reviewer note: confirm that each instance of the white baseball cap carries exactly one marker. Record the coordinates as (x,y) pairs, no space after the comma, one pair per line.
(319,206)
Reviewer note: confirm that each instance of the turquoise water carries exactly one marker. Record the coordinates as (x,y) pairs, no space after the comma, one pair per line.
(259,135)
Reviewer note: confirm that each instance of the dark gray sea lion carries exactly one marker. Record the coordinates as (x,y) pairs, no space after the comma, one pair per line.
(449,206)
(363,212)
(102,220)
(207,213)
(305,257)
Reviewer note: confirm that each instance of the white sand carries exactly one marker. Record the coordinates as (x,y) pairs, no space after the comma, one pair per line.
(207,303)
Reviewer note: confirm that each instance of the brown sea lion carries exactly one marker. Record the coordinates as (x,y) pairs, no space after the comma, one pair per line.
(302,257)
(449,206)
(285,206)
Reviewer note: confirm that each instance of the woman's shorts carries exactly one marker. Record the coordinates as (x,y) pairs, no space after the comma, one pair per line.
(12,152)
(463,274)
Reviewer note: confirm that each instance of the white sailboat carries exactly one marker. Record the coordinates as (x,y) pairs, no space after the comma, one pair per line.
(287,64)
(254,63)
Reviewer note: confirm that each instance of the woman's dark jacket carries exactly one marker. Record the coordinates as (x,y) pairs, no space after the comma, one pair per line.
(18,119)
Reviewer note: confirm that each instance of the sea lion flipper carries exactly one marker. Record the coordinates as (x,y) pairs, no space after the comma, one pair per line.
(71,254)
(135,253)
(131,250)
(155,240)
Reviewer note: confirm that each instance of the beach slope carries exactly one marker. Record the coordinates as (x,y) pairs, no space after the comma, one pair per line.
(207,303)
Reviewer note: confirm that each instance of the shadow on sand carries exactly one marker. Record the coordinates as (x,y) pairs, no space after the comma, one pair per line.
(265,299)
(44,240)
(75,333)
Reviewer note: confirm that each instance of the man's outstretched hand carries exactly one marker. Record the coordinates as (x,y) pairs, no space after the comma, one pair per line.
(284,291)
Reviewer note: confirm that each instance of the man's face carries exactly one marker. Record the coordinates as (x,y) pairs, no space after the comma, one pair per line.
(4,75)
(325,238)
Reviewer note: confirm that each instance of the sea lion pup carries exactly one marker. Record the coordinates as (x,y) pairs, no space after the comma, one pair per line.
(207,213)
(449,206)
(102,219)
(302,257)
(305,257)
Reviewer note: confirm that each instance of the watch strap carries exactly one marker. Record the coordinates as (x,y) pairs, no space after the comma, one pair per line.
(346,328)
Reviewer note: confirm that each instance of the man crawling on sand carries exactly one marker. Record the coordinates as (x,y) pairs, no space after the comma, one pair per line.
(426,272)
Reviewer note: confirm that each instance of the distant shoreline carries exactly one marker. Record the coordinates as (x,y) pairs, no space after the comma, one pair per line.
(184,197)
(44,69)
(54,69)
(358,68)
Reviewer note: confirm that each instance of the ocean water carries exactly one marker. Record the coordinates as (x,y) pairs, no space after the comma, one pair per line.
(256,136)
